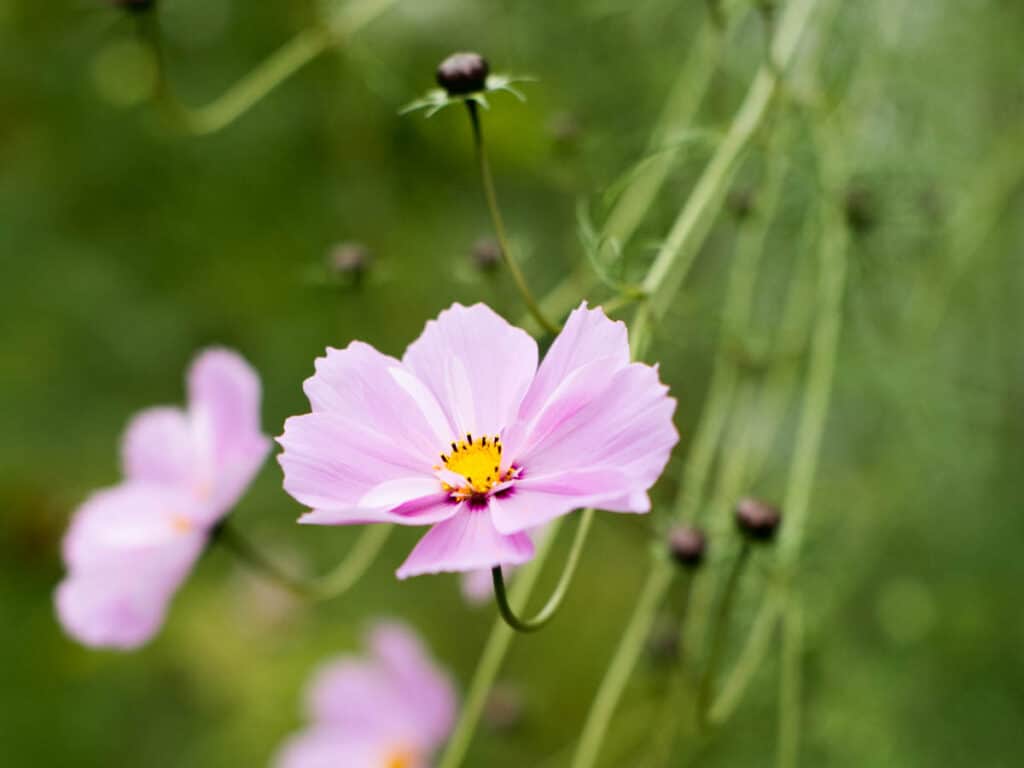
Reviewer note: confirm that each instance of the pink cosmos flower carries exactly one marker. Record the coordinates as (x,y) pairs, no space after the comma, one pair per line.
(391,710)
(130,547)
(468,435)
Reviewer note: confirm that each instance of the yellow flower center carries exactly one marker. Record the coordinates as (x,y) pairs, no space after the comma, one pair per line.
(180,523)
(400,758)
(479,461)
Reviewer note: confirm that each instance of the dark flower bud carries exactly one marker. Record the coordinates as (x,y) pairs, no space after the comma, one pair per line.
(504,707)
(486,254)
(859,207)
(349,259)
(463,73)
(741,202)
(136,6)
(757,520)
(686,544)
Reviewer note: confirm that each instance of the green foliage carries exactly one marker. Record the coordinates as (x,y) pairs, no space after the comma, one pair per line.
(125,245)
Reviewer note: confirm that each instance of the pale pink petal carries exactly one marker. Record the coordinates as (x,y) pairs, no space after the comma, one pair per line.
(478,586)
(423,511)
(626,428)
(336,464)
(429,696)
(127,550)
(466,542)
(535,501)
(159,446)
(362,385)
(224,403)
(394,701)
(477,365)
(325,747)
(588,335)
(133,520)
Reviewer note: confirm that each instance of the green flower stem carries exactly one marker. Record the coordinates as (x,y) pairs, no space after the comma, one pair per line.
(281,65)
(738,304)
(493,654)
(555,601)
(603,706)
(676,255)
(720,632)
(677,114)
(680,107)
(788,755)
(750,658)
(499,225)
(823,353)
(333,584)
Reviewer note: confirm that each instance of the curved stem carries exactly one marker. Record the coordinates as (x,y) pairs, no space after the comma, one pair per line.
(357,562)
(491,658)
(265,77)
(545,614)
(603,706)
(333,584)
(720,633)
(499,224)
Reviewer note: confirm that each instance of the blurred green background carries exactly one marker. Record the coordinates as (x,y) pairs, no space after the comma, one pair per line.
(125,247)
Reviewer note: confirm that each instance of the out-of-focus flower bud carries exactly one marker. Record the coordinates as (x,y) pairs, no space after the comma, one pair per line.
(757,520)
(349,259)
(486,254)
(463,73)
(859,207)
(741,202)
(504,707)
(136,6)
(687,544)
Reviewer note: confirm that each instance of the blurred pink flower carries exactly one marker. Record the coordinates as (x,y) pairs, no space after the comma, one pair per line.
(129,547)
(468,435)
(391,710)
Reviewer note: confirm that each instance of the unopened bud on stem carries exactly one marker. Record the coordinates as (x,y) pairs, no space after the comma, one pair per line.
(687,544)
(757,520)
(463,73)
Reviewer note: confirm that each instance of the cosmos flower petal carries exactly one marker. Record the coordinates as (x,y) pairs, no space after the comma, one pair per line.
(224,403)
(103,613)
(126,559)
(477,365)
(325,747)
(478,586)
(628,426)
(465,542)
(129,521)
(539,500)
(159,447)
(426,510)
(332,461)
(372,710)
(129,548)
(359,381)
(429,695)
(588,335)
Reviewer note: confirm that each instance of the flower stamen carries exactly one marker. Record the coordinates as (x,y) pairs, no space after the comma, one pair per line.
(480,459)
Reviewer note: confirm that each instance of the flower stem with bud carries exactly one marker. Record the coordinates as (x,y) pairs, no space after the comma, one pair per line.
(499,224)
